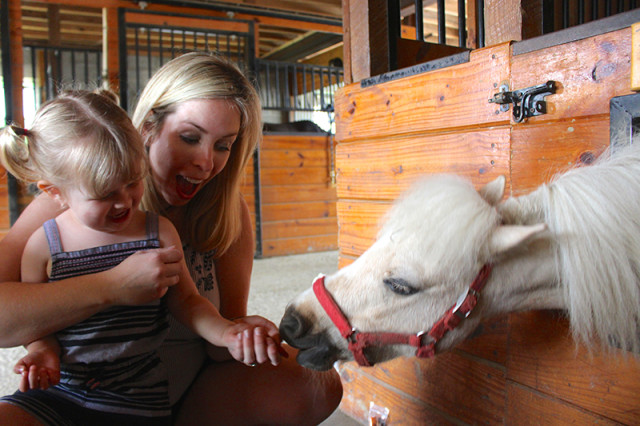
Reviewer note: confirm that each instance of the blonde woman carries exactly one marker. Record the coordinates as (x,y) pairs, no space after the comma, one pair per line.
(200,121)
(85,154)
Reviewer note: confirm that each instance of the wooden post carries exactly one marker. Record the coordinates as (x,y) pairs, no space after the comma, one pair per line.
(516,20)
(366,46)
(111,74)
(17,60)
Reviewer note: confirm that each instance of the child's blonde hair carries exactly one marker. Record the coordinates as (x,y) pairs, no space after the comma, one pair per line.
(212,219)
(80,138)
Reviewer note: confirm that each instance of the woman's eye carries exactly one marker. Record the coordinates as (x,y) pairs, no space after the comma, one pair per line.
(192,140)
(400,286)
(223,147)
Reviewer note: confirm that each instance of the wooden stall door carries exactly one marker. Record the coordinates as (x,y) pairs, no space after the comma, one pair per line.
(520,369)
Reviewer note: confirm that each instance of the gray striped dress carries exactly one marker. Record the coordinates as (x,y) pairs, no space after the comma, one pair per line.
(109,361)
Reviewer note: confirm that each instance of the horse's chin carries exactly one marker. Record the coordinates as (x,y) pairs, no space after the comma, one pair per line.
(319,358)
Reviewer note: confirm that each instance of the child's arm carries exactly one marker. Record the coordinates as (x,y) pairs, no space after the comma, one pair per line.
(40,368)
(246,342)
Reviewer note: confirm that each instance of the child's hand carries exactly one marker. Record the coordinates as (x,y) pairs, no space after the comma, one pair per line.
(255,341)
(39,370)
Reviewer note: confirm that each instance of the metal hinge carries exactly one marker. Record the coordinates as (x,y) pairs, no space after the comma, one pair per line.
(526,102)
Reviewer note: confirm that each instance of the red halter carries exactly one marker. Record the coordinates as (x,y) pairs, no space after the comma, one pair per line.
(359,341)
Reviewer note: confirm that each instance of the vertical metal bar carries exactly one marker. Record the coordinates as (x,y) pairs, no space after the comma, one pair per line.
(580,12)
(620,6)
(36,96)
(462,24)
(58,54)
(594,10)
(442,24)
(419,20)
(480,18)
(393,24)
(73,64)
(86,67)
(184,41)
(98,69)
(206,41)
(160,47)
(137,50)
(565,14)
(304,88)
(173,44)
(46,72)
(607,8)
(195,41)
(294,83)
(279,104)
(149,65)
(313,86)
(320,70)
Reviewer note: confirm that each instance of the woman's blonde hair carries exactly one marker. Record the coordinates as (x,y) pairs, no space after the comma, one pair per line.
(212,219)
(80,138)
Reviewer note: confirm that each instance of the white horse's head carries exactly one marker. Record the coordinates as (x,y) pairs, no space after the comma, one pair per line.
(436,239)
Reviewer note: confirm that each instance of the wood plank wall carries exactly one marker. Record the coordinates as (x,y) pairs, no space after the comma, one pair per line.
(517,369)
(298,199)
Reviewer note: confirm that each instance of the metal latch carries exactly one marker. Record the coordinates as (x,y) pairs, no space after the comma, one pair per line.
(526,102)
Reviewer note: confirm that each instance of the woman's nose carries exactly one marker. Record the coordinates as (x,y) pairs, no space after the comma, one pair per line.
(204,159)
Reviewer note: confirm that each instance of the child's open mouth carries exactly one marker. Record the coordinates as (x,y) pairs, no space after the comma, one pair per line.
(121,217)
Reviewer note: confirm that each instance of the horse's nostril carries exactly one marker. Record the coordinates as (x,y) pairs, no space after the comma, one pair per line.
(292,325)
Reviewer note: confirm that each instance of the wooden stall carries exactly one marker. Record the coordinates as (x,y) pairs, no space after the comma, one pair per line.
(297,197)
(522,368)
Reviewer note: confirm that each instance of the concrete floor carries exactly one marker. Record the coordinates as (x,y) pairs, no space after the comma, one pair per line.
(274,282)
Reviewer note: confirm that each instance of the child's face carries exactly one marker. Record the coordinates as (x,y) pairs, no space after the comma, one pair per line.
(192,147)
(112,213)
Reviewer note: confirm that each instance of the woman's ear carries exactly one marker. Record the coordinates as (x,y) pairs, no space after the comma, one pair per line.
(52,191)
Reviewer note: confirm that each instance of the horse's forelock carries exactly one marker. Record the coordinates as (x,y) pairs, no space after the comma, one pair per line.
(444,217)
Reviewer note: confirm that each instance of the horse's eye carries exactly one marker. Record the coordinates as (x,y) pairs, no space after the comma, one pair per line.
(400,286)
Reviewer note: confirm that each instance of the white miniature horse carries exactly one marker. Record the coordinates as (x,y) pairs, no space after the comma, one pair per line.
(573,244)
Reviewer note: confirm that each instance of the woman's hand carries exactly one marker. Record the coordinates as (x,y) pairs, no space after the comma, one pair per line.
(143,277)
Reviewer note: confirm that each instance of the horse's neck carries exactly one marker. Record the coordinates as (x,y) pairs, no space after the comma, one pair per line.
(527,278)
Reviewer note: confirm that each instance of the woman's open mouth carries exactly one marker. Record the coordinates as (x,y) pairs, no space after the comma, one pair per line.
(187,187)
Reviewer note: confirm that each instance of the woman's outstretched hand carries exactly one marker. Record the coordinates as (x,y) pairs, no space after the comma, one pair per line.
(144,276)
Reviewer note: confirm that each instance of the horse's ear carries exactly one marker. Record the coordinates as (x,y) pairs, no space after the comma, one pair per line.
(506,237)
(493,191)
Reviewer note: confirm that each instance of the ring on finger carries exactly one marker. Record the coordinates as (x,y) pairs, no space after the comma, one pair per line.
(252,364)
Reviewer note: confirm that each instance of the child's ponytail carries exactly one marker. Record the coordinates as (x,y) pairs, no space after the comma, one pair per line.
(14,152)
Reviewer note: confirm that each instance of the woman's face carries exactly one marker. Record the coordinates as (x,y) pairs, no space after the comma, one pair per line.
(192,147)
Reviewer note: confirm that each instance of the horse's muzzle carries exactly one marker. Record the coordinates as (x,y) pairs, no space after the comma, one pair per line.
(315,351)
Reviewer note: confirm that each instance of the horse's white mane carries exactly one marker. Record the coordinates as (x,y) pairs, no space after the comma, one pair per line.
(593,214)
